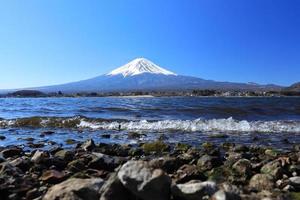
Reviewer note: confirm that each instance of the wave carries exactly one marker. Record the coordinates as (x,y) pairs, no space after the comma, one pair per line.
(197,125)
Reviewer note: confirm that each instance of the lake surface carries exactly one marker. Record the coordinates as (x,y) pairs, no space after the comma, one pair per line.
(263,121)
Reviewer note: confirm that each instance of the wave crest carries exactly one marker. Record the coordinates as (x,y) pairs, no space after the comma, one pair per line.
(197,125)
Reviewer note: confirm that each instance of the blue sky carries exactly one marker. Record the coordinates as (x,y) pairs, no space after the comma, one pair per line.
(57,41)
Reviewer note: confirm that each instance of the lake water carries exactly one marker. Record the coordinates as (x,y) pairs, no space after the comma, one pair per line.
(263,121)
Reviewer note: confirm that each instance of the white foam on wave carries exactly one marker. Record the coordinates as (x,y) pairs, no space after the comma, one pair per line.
(225,125)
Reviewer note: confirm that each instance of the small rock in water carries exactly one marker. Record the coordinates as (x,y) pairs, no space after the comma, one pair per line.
(2,137)
(70,141)
(48,132)
(107,136)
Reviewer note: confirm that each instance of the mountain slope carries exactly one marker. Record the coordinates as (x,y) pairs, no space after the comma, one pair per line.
(142,74)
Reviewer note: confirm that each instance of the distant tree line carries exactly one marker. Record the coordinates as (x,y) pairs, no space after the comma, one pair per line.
(36,93)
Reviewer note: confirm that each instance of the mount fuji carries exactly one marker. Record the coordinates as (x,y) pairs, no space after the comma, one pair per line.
(143,75)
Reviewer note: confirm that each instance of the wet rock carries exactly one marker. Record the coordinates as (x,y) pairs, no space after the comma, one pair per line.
(2,137)
(272,168)
(88,145)
(65,155)
(207,162)
(182,147)
(240,148)
(70,141)
(39,156)
(47,132)
(106,162)
(261,182)
(35,145)
(75,189)
(134,135)
(242,169)
(11,152)
(52,176)
(113,189)
(193,190)
(21,163)
(219,174)
(187,173)
(106,136)
(168,164)
(271,153)
(145,182)
(155,147)
(232,157)
(76,165)
(33,194)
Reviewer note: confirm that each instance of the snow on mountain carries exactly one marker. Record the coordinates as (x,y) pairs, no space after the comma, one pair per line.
(139,66)
(143,75)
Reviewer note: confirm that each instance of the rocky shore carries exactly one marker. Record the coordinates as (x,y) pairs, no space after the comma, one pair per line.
(151,171)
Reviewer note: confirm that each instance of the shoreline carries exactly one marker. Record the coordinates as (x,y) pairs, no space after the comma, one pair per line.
(112,171)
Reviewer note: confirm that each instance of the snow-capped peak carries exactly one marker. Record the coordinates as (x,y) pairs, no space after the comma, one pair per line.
(139,66)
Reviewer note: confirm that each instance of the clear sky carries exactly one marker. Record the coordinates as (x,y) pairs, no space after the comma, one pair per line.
(57,41)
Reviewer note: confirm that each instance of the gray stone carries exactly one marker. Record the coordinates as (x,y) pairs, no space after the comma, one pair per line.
(38,156)
(272,168)
(193,190)
(261,182)
(145,182)
(75,189)
(207,162)
(113,189)
(295,181)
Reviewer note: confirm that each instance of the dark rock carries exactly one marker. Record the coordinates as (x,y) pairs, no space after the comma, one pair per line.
(2,137)
(207,162)
(106,162)
(145,182)
(88,145)
(187,173)
(113,189)
(48,132)
(33,194)
(52,176)
(168,164)
(76,165)
(22,163)
(242,169)
(11,152)
(65,155)
(107,136)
